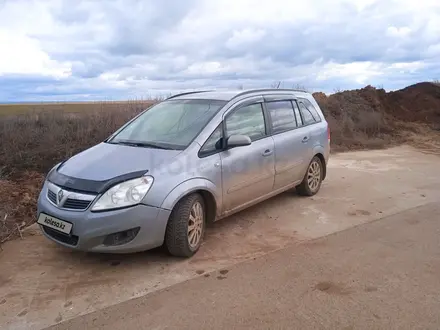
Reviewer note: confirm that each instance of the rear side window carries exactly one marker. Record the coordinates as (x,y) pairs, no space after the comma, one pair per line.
(306,114)
(282,116)
(247,120)
(312,109)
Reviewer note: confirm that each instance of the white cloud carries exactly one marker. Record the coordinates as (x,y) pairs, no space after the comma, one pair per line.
(398,32)
(23,55)
(359,72)
(204,68)
(409,66)
(125,47)
(245,37)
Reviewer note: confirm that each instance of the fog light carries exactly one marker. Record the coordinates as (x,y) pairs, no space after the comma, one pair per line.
(121,237)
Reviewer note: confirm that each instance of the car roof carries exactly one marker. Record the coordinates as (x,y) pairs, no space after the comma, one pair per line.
(227,95)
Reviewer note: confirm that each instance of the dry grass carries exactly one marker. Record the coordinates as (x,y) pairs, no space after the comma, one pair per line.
(68,107)
(37,140)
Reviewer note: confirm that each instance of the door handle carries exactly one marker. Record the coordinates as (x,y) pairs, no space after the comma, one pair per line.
(267,152)
(305,139)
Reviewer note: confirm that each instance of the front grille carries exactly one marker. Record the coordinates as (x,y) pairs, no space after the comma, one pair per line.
(76,204)
(67,199)
(63,238)
(52,197)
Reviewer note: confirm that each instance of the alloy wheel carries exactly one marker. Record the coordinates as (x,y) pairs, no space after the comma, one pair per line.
(195,224)
(314,176)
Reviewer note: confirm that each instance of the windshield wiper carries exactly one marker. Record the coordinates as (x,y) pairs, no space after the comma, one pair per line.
(139,144)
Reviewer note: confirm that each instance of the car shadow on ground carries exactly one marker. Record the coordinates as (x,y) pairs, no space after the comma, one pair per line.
(236,226)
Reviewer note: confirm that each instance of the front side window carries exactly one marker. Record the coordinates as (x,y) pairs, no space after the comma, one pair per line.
(247,120)
(282,116)
(170,124)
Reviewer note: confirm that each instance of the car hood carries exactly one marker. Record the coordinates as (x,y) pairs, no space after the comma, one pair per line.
(106,161)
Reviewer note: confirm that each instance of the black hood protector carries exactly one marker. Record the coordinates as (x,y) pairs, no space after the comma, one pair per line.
(89,186)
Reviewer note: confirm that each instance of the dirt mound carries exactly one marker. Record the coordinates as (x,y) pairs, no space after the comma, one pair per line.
(371,117)
(419,102)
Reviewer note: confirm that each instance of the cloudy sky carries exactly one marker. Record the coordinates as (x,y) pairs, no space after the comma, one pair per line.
(82,50)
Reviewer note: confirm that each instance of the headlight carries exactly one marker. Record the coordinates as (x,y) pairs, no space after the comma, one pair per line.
(124,194)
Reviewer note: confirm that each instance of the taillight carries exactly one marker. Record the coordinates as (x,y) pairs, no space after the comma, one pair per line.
(328,133)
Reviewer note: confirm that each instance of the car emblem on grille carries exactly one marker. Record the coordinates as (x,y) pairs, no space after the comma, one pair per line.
(60,196)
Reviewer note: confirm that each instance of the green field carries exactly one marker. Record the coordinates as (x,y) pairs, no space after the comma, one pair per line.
(70,107)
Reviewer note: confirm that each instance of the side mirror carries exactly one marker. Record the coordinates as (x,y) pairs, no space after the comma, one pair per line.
(238,141)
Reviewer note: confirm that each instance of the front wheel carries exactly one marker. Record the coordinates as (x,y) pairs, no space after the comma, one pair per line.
(312,179)
(186,226)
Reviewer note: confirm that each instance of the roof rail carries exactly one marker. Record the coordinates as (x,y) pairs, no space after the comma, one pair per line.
(187,93)
(269,90)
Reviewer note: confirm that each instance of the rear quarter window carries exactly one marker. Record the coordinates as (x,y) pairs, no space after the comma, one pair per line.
(312,110)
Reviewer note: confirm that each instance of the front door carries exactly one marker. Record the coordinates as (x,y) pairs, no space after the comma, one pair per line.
(247,172)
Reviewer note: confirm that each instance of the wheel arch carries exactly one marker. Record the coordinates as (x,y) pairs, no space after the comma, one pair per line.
(204,187)
(318,151)
(324,165)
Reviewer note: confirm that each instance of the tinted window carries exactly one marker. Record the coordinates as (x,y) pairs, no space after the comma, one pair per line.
(306,115)
(169,124)
(248,120)
(282,115)
(210,145)
(297,115)
(312,109)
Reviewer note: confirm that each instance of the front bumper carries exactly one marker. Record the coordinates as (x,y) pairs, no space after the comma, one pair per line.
(89,229)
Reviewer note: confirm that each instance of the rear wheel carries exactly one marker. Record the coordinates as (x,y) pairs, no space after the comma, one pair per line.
(312,179)
(186,226)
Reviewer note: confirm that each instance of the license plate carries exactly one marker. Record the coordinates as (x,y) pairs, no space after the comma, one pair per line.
(54,223)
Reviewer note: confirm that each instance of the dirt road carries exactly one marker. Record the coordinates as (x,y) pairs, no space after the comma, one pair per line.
(42,284)
(380,275)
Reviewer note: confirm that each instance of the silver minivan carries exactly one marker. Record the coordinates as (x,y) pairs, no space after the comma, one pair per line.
(189,160)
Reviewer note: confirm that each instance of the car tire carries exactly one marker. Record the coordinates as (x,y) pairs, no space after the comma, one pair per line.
(312,180)
(179,238)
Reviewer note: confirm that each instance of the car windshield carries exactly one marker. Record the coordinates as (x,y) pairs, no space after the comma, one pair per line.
(170,124)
